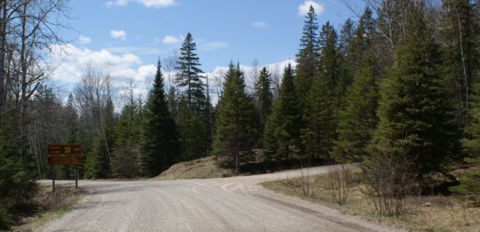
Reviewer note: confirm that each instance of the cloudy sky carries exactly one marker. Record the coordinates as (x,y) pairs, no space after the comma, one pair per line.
(128,36)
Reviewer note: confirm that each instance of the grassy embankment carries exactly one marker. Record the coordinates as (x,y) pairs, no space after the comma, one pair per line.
(422,213)
(196,169)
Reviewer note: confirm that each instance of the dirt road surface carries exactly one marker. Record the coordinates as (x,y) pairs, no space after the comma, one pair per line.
(226,204)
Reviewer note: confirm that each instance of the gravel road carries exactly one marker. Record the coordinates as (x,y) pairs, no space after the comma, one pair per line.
(226,204)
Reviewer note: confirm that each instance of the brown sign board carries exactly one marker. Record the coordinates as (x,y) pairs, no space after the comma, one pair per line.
(66,160)
(64,149)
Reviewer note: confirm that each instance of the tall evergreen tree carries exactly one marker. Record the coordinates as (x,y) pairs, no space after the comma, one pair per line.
(263,97)
(329,67)
(358,120)
(128,141)
(470,179)
(414,116)
(160,145)
(319,134)
(192,132)
(196,96)
(190,75)
(94,158)
(282,132)
(236,123)
(351,55)
(308,55)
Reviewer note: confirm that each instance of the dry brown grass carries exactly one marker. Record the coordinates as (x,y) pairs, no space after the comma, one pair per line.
(432,213)
(196,169)
(49,205)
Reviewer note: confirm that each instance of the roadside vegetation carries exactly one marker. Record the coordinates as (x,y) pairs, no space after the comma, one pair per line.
(45,206)
(345,190)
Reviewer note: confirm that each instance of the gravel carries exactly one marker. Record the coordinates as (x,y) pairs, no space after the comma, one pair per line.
(224,204)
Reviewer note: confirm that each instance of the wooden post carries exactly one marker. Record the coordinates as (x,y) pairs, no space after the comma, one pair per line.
(53,179)
(76,177)
(236,163)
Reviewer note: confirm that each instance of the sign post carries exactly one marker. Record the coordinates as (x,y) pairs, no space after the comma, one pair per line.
(65,155)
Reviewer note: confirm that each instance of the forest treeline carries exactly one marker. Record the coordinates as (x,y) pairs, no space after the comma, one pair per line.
(396,89)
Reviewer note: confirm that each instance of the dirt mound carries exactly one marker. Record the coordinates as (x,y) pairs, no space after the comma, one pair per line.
(196,169)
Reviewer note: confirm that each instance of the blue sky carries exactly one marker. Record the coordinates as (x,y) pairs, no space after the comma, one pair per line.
(129,35)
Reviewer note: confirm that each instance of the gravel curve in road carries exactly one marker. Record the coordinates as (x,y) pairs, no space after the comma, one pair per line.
(224,204)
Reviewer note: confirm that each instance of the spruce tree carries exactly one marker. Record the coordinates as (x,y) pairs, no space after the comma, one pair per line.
(194,93)
(94,158)
(263,97)
(358,120)
(329,66)
(351,55)
(190,75)
(308,55)
(160,146)
(415,121)
(127,141)
(282,132)
(470,179)
(236,123)
(192,132)
(319,134)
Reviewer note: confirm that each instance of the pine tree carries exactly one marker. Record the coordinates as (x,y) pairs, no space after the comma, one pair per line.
(282,132)
(351,55)
(93,163)
(196,95)
(415,121)
(190,75)
(192,133)
(308,55)
(128,141)
(236,123)
(17,175)
(358,120)
(470,179)
(263,97)
(160,145)
(319,134)
(329,67)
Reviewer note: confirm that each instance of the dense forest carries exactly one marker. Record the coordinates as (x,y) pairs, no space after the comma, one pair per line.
(395,89)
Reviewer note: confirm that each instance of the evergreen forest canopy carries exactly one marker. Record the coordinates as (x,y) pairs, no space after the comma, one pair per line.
(400,83)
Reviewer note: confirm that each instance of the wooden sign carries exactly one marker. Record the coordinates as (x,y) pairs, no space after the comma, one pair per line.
(66,160)
(65,149)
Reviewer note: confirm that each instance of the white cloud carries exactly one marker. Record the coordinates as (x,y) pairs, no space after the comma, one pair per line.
(170,39)
(69,62)
(116,3)
(146,3)
(260,24)
(212,46)
(157,3)
(118,34)
(84,39)
(305,7)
